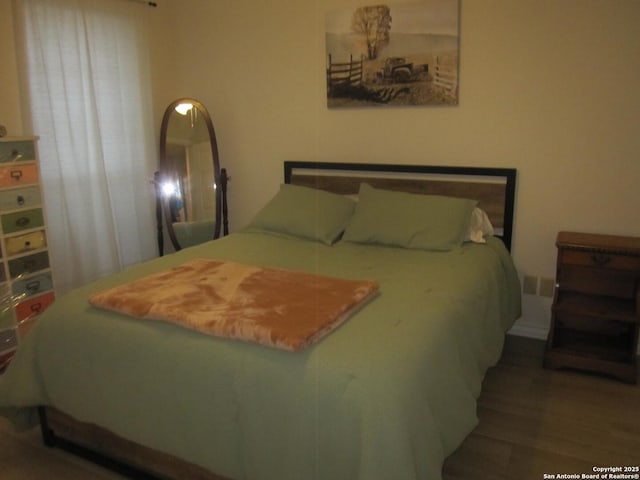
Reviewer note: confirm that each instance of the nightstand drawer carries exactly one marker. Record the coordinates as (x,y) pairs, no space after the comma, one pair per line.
(600,259)
(587,305)
(597,325)
(596,281)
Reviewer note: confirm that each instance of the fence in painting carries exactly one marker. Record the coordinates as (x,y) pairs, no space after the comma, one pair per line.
(344,74)
(445,77)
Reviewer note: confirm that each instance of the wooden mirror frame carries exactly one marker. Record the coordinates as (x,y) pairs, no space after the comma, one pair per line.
(162,201)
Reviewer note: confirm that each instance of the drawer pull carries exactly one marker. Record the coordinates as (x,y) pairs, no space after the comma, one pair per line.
(20,200)
(15,155)
(16,175)
(23,221)
(600,259)
(33,286)
(29,265)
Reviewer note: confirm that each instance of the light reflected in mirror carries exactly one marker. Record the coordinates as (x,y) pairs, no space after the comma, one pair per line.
(189,174)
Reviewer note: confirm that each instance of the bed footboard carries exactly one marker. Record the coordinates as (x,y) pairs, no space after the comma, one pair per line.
(115,453)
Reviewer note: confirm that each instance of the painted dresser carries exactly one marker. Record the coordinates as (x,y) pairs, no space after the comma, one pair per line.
(26,280)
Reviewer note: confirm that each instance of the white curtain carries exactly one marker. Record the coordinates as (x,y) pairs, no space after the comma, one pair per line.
(87,75)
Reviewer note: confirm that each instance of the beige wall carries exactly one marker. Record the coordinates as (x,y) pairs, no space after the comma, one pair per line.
(10,112)
(546,86)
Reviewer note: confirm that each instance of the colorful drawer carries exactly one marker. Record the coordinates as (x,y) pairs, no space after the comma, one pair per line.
(34,306)
(33,285)
(12,151)
(22,220)
(18,175)
(26,279)
(25,243)
(28,264)
(24,197)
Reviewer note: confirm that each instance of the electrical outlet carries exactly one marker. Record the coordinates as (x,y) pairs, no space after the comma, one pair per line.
(547,286)
(530,285)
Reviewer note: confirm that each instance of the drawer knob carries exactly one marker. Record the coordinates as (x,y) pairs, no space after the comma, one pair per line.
(12,156)
(29,264)
(33,286)
(16,175)
(600,259)
(20,200)
(23,221)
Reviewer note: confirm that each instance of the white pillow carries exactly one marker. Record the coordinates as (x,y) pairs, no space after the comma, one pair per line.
(479,227)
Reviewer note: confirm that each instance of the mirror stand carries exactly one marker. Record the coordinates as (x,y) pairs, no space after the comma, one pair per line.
(157,187)
(190,187)
(225,215)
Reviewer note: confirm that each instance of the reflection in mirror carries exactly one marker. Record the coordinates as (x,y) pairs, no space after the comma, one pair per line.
(189,187)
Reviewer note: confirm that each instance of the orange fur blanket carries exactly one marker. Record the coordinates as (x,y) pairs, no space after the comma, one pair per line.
(273,307)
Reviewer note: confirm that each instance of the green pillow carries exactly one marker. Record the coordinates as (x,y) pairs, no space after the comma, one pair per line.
(399,219)
(306,213)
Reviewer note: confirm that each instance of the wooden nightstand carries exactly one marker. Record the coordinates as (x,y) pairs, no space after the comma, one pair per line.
(596,306)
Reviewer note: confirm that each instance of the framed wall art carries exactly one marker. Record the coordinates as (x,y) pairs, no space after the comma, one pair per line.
(397,54)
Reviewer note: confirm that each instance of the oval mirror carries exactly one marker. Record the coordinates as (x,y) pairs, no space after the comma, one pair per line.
(190,179)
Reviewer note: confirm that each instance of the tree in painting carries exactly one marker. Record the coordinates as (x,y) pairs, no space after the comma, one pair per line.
(373,23)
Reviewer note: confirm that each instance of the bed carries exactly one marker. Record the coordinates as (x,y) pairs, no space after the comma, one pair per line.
(390,393)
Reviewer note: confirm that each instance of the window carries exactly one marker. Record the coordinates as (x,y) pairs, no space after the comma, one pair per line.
(87,89)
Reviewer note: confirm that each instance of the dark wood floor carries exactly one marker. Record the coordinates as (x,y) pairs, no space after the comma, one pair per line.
(535,421)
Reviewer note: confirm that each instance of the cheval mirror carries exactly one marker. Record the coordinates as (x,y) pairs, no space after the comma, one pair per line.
(190,186)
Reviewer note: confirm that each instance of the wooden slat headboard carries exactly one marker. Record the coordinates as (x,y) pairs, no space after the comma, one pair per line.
(493,188)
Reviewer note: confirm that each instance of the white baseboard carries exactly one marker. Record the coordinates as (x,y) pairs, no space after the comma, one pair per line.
(531,331)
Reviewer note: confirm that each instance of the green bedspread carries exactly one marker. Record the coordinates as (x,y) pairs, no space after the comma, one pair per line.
(388,395)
